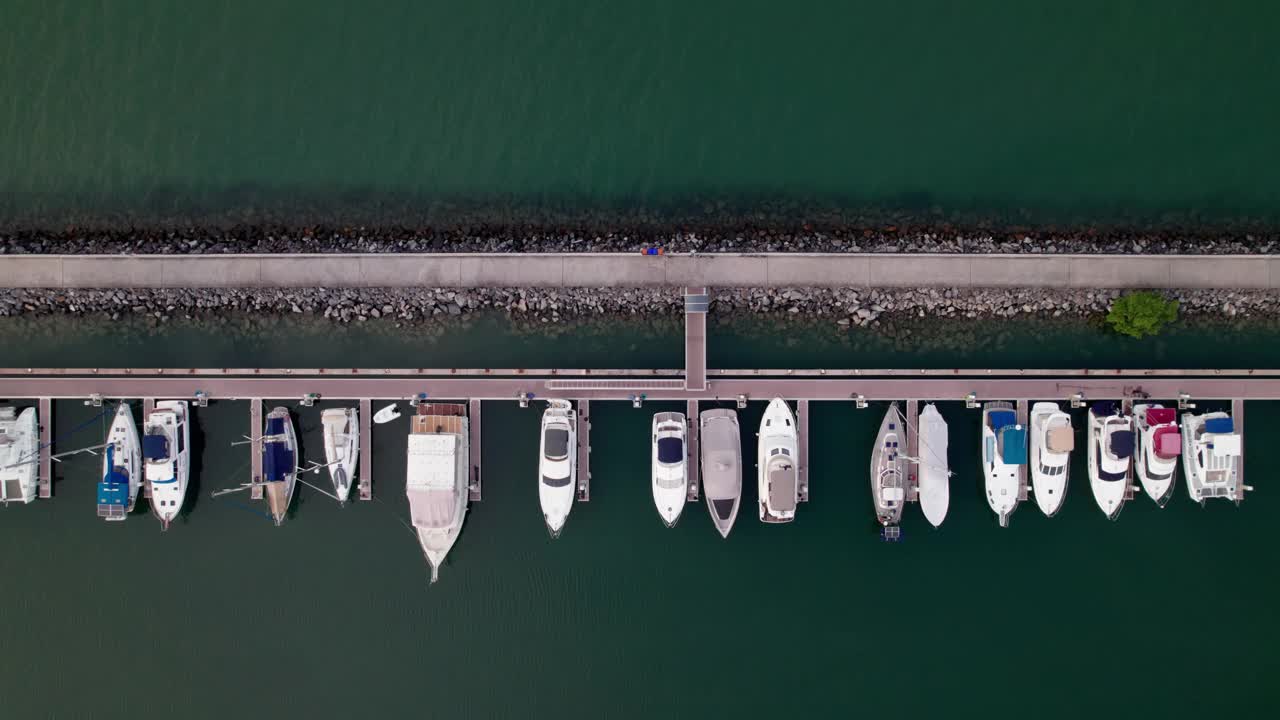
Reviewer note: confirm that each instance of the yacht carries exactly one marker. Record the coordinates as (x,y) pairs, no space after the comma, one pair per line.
(669,469)
(1111,445)
(1159,444)
(1211,450)
(19,455)
(1004,458)
(1052,440)
(166,454)
(933,471)
(557,464)
(888,469)
(341,447)
(438,478)
(121,467)
(779,477)
(279,463)
(720,443)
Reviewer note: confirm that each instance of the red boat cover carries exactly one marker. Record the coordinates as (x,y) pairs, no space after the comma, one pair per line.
(1168,441)
(1160,416)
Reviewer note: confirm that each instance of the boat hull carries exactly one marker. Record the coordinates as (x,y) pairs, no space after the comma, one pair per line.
(125,455)
(1049,488)
(933,471)
(168,495)
(669,473)
(558,476)
(19,456)
(888,469)
(776,461)
(720,446)
(341,448)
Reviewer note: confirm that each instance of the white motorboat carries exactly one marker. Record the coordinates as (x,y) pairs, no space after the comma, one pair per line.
(1111,445)
(933,471)
(669,466)
(121,467)
(341,448)
(438,478)
(1211,450)
(1052,440)
(1159,444)
(166,454)
(386,414)
(279,463)
(776,463)
(720,443)
(888,469)
(19,455)
(1004,458)
(557,464)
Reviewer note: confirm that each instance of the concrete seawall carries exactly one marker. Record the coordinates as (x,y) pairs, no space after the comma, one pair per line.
(617,270)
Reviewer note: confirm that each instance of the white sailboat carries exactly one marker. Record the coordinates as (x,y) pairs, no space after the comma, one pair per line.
(279,463)
(166,453)
(557,464)
(888,469)
(121,467)
(1004,458)
(933,470)
(341,448)
(670,471)
(1052,440)
(19,451)
(1111,446)
(720,442)
(438,475)
(1159,444)
(1211,450)
(778,474)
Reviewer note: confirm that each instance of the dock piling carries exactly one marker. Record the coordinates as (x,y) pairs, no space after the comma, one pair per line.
(366,449)
(692,462)
(45,479)
(255,447)
(584,451)
(802,420)
(474,487)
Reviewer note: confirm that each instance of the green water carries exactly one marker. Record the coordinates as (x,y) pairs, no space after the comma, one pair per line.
(409,109)
(1168,613)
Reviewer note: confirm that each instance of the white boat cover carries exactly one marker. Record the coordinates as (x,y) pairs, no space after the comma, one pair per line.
(432,508)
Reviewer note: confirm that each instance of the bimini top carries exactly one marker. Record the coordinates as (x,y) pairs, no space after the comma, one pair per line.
(277,461)
(1122,443)
(1001,419)
(114,488)
(670,450)
(1222,425)
(1104,408)
(1013,445)
(1161,416)
(1168,442)
(155,447)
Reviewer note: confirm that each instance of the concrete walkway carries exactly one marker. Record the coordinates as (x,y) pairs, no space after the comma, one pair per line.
(613,269)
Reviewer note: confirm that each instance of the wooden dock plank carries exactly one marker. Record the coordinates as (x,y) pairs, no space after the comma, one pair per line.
(694,461)
(255,448)
(802,420)
(1022,469)
(474,486)
(1237,417)
(365,483)
(913,450)
(45,424)
(584,451)
(148,406)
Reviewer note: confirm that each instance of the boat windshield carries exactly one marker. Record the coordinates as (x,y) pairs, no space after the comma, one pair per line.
(670,450)
(556,442)
(1110,476)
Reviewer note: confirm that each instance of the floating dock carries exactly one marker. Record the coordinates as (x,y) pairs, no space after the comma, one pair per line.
(584,451)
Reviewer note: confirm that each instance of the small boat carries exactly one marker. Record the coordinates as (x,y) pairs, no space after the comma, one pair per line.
(1211,450)
(279,463)
(934,474)
(341,447)
(166,454)
(720,443)
(438,478)
(386,414)
(669,469)
(121,467)
(1111,445)
(888,469)
(19,455)
(778,475)
(558,464)
(1052,439)
(1004,458)
(1159,445)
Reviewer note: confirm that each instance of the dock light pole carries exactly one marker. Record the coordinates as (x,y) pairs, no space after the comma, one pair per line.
(1077,400)
(1184,402)
(742,402)
(310,399)
(859,401)
(524,399)
(202,398)
(94,400)
(971,401)
(637,400)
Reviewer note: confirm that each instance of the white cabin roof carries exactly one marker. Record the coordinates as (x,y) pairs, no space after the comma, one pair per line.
(432,461)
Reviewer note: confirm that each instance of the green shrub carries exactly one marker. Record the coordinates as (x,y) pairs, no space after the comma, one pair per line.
(1139,314)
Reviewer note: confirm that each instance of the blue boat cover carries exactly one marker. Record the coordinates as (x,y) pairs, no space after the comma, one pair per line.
(1122,443)
(114,488)
(275,426)
(1104,408)
(670,450)
(1219,425)
(1001,419)
(277,461)
(1013,446)
(155,447)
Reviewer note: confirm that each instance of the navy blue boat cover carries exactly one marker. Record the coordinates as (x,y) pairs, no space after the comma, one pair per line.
(277,461)
(275,426)
(670,450)
(1002,418)
(155,447)
(1104,408)
(1219,425)
(1122,443)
